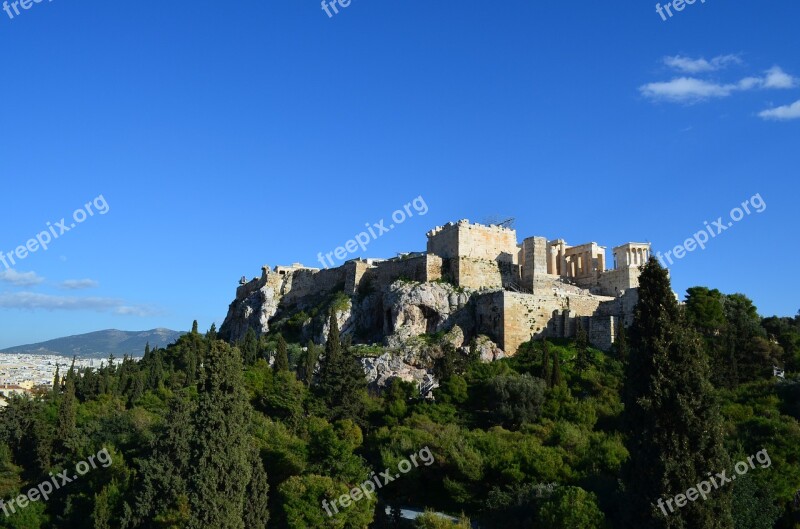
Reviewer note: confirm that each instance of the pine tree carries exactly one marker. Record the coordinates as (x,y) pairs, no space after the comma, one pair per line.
(281,356)
(674,428)
(546,374)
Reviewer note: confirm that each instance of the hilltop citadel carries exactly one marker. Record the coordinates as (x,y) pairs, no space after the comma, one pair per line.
(479,277)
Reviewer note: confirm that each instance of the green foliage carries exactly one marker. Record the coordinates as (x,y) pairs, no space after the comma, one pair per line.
(582,359)
(293,328)
(431,520)
(203,434)
(753,506)
(283,398)
(301,500)
(340,302)
(450,363)
(572,507)
(518,398)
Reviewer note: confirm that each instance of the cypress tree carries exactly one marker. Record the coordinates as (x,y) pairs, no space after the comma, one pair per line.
(342,382)
(191,366)
(310,359)
(156,371)
(250,347)
(220,447)
(557,379)
(67,413)
(137,388)
(281,356)
(582,346)
(256,514)
(194,327)
(546,374)
(621,345)
(674,427)
(161,488)
(333,352)
(57,381)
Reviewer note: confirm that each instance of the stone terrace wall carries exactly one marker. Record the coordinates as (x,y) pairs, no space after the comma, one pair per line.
(614,282)
(530,315)
(478,273)
(386,272)
(489,315)
(310,283)
(600,328)
(354,272)
(487,242)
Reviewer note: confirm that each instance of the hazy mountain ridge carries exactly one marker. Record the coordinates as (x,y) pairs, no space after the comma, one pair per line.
(101,343)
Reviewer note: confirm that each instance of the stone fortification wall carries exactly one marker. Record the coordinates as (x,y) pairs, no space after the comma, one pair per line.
(462,239)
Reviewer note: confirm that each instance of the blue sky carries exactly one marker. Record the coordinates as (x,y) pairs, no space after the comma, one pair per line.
(225,136)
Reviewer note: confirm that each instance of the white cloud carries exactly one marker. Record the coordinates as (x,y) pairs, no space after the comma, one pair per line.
(20,279)
(777,78)
(689,65)
(783,113)
(693,89)
(685,89)
(126,310)
(35,301)
(78,284)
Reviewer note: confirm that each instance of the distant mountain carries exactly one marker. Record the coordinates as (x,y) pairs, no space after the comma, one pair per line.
(100,344)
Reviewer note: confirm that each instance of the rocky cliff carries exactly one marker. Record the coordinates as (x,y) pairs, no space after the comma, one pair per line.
(410,319)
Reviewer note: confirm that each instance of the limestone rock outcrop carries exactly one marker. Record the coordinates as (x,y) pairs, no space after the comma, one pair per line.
(253,311)
(423,308)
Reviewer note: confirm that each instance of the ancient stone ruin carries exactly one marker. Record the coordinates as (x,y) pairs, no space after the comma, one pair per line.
(475,277)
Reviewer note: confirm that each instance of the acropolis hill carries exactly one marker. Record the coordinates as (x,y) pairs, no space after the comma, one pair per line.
(475,277)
